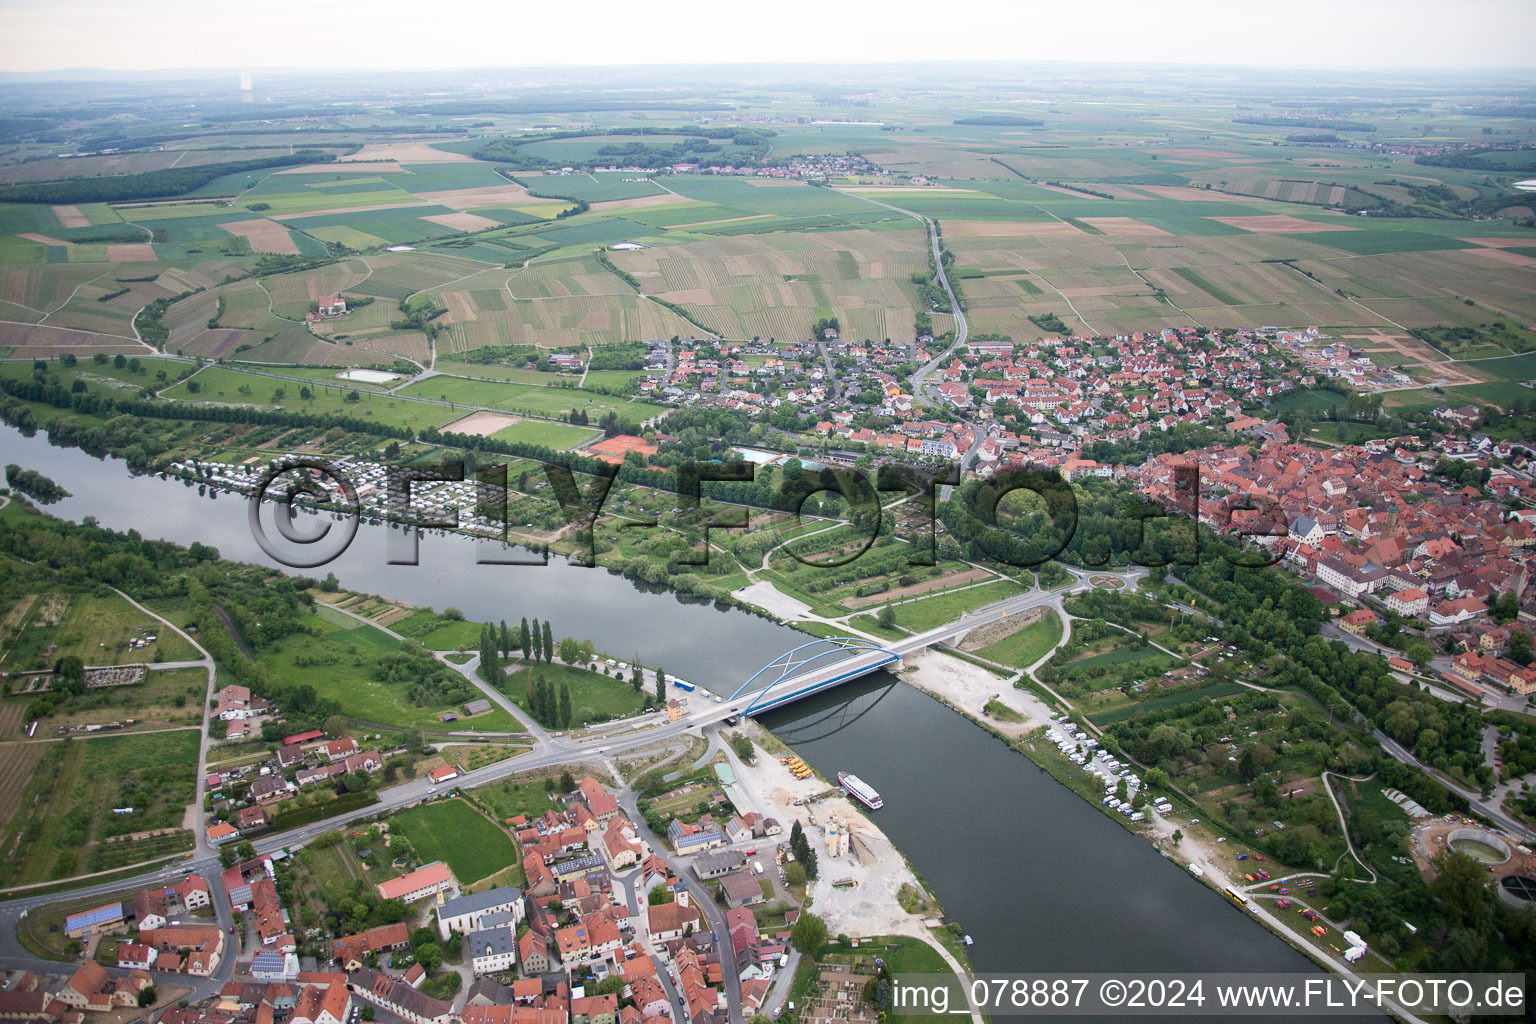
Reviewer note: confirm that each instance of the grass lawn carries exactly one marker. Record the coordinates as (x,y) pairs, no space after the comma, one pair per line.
(551,435)
(524,795)
(1028,645)
(1143,707)
(338,663)
(594,696)
(453,831)
(867,624)
(222,386)
(1113,656)
(492,394)
(438,632)
(942,608)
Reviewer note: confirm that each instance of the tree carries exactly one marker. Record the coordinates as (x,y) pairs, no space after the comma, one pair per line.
(887,617)
(1520,647)
(1265,791)
(567,784)
(367,1013)
(226,857)
(506,638)
(794,873)
(661,687)
(549,642)
(72,672)
(245,851)
(809,934)
(330,584)
(1178,837)
(741,745)
(1247,769)
(565,705)
(570,650)
(148,995)
(809,860)
(636,673)
(335,726)
(525,641)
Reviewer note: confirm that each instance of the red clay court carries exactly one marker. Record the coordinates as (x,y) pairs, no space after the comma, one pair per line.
(613,449)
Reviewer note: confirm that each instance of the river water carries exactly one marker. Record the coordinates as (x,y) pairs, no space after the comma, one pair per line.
(1040,879)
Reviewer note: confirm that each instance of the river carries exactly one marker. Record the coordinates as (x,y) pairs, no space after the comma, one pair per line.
(1039,878)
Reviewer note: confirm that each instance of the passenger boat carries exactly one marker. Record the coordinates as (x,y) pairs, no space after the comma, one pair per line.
(860,790)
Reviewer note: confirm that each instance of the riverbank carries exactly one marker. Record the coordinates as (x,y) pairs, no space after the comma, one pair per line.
(869,907)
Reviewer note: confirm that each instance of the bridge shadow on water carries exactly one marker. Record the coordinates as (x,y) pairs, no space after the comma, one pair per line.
(825,714)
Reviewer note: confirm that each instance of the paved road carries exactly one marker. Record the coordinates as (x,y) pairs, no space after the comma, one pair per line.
(643,731)
(919,378)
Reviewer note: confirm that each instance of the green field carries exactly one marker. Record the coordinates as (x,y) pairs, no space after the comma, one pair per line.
(1116,656)
(221,386)
(1028,645)
(946,607)
(439,633)
(98,630)
(527,398)
(550,435)
(509,798)
(594,696)
(1138,708)
(454,832)
(66,818)
(337,659)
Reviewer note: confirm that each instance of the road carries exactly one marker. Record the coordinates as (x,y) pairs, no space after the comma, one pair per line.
(919,379)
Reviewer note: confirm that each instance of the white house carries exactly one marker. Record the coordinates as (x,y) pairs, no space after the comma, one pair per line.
(492,950)
(464,913)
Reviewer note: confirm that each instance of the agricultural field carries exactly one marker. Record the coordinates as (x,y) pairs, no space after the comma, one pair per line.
(557,304)
(166,699)
(454,832)
(778,285)
(98,630)
(71,828)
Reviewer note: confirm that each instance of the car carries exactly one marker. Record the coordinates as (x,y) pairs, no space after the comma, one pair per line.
(1260,856)
(1194,821)
(1242,856)
(1221,839)
(751,853)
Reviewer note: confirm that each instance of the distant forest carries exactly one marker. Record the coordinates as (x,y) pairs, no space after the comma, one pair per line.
(163,184)
(1281,121)
(1000,119)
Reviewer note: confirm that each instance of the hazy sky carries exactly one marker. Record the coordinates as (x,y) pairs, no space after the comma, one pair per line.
(133,34)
